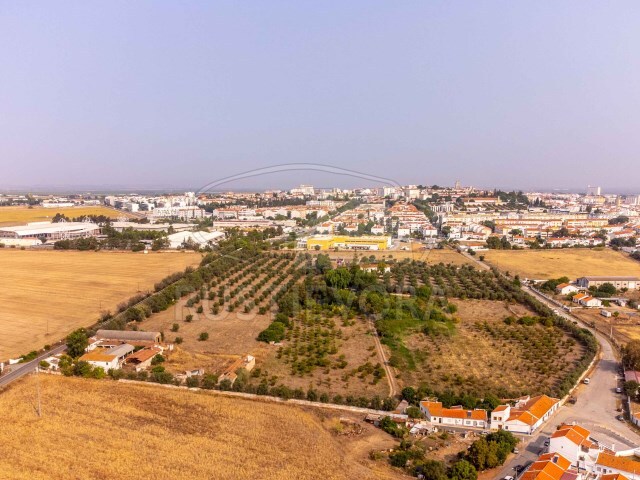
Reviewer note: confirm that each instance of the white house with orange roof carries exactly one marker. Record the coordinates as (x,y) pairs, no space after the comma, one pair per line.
(526,416)
(610,464)
(575,443)
(454,416)
(566,289)
(551,466)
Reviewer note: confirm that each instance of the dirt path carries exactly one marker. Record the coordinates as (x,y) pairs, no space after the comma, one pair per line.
(390,374)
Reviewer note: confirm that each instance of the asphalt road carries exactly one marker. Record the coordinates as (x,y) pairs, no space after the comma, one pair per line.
(595,408)
(21,369)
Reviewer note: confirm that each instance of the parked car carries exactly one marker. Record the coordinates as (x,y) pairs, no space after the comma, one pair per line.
(508,477)
(547,443)
(620,418)
(516,451)
(586,381)
(618,389)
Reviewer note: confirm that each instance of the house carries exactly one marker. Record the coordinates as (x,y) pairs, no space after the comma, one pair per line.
(613,476)
(609,463)
(454,416)
(575,443)
(580,296)
(108,359)
(551,466)
(142,358)
(230,373)
(631,283)
(566,289)
(590,302)
(526,416)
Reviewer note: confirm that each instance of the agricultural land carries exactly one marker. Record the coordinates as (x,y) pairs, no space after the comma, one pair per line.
(47,294)
(149,431)
(555,263)
(312,326)
(20,215)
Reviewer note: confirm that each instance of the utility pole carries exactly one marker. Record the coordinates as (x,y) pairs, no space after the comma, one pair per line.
(39,406)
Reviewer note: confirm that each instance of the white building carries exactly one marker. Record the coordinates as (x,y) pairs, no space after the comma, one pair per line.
(108,359)
(454,416)
(575,443)
(526,416)
(48,231)
(202,239)
(566,289)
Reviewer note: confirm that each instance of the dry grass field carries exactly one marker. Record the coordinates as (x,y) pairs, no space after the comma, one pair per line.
(474,359)
(103,429)
(231,335)
(431,257)
(60,291)
(573,263)
(22,215)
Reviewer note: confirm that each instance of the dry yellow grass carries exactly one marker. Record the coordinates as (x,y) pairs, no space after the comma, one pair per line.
(103,429)
(21,215)
(432,256)
(573,263)
(69,289)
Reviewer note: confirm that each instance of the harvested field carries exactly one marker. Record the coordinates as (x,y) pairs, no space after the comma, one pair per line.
(57,291)
(136,431)
(486,355)
(431,257)
(22,215)
(573,263)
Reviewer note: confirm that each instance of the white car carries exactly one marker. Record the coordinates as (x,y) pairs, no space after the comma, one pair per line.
(508,477)
(586,381)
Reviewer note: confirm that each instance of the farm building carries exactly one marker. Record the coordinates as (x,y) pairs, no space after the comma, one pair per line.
(108,359)
(126,335)
(141,359)
(632,283)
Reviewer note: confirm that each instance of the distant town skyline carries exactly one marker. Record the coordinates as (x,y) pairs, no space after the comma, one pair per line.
(132,96)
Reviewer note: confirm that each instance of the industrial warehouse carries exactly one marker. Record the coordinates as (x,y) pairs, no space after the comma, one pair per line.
(41,232)
(327,242)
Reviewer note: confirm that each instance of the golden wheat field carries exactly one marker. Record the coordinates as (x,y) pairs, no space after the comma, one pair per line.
(102,429)
(21,215)
(573,263)
(57,291)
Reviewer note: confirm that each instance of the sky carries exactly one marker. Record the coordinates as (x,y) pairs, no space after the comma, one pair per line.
(160,94)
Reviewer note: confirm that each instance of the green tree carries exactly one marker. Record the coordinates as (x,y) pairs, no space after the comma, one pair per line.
(432,470)
(77,342)
(462,470)
(631,355)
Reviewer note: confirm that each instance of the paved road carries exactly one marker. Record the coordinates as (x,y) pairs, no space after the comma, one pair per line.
(595,408)
(21,369)
(596,404)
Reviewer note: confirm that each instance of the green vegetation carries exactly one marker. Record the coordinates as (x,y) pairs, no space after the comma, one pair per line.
(492,450)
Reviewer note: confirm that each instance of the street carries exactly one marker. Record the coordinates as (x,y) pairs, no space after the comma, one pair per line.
(21,369)
(595,408)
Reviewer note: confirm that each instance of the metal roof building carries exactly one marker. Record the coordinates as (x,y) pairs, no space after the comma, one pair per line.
(128,335)
(51,231)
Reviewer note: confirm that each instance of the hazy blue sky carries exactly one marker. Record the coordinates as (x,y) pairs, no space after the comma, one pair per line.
(144,94)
